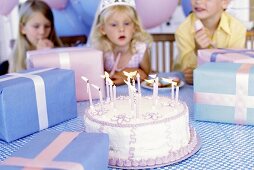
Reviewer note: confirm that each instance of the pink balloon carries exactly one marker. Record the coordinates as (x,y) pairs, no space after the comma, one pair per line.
(6,6)
(57,4)
(155,12)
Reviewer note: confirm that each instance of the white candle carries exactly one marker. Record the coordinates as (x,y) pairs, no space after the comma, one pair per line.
(106,77)
(138,81)
(100,96)
(128,80)
(88,90)
(173,90)
(177,93)
(133,82)
(129,90)
(114,92)
(111,89)
(99,91)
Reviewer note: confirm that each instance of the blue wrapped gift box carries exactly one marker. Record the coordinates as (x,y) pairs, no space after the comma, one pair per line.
(223,92)
(62,150)
(34,100)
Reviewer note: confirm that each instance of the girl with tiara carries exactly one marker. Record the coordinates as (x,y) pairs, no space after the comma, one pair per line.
(119,34)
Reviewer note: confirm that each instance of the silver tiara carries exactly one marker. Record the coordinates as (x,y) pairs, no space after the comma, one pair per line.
(107,3)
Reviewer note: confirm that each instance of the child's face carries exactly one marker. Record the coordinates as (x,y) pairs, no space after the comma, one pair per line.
(206,9)
(37,28)
(119,29)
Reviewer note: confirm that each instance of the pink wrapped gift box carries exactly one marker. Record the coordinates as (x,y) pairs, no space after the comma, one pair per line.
(86,62)
(61,150)
(225,55)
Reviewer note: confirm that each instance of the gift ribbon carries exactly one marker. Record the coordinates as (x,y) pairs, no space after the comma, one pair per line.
(40,95)
(64,60)
(214,55)
(44,159)
(241,101)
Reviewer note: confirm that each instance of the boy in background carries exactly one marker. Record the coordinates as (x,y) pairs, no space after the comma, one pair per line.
(215,28)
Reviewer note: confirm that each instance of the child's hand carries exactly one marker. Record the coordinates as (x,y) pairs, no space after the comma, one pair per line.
(202,39)
(188,75)
(44,43)
(118,78)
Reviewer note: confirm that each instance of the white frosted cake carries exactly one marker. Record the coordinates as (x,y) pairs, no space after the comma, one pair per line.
(148,135)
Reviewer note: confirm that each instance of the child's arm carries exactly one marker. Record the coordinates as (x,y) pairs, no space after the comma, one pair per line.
(119,77)
(187,59)
(145,64)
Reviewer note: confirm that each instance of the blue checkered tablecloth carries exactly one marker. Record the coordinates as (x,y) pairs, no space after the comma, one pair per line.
(223,146)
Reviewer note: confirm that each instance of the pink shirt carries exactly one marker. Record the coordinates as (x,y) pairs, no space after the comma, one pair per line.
(133,63)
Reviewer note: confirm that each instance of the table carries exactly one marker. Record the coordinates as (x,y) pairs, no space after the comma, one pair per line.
(223,146)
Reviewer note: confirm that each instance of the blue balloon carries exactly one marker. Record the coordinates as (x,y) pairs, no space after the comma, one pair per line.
(86,10)
(186,5)
(68,22)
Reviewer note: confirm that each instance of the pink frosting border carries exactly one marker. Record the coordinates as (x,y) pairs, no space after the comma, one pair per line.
(172,157)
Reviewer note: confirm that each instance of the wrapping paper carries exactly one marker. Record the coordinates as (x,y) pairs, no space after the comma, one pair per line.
(34,100)
(225,55)
(86,62)
(223,92)
(62,150)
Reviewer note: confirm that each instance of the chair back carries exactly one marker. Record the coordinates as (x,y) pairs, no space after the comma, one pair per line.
(74,40)
(163,49)
(250,40)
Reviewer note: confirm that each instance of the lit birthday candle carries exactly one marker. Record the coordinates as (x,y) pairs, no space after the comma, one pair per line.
(114,92)
(106,77)
(88,90)
(177,92)
(138,81)
(100,95)
(128,80)
(111,89)
(170,81)
(99,91)
(155,87)
(174,85)
(130,93)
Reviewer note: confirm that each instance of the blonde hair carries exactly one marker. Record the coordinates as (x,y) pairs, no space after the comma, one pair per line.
(101,42)
(22,45)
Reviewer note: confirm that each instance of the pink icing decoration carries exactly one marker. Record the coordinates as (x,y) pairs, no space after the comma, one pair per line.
(119,162)
(158,161)
(170,158)
(135,163)
(127,163)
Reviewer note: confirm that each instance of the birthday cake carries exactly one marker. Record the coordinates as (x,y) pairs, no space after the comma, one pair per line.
(144,133)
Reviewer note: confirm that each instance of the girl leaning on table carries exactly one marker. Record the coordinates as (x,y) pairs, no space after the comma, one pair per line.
(36,31)
(119,34)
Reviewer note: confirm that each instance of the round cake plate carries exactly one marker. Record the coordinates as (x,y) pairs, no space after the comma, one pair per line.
(197,147)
